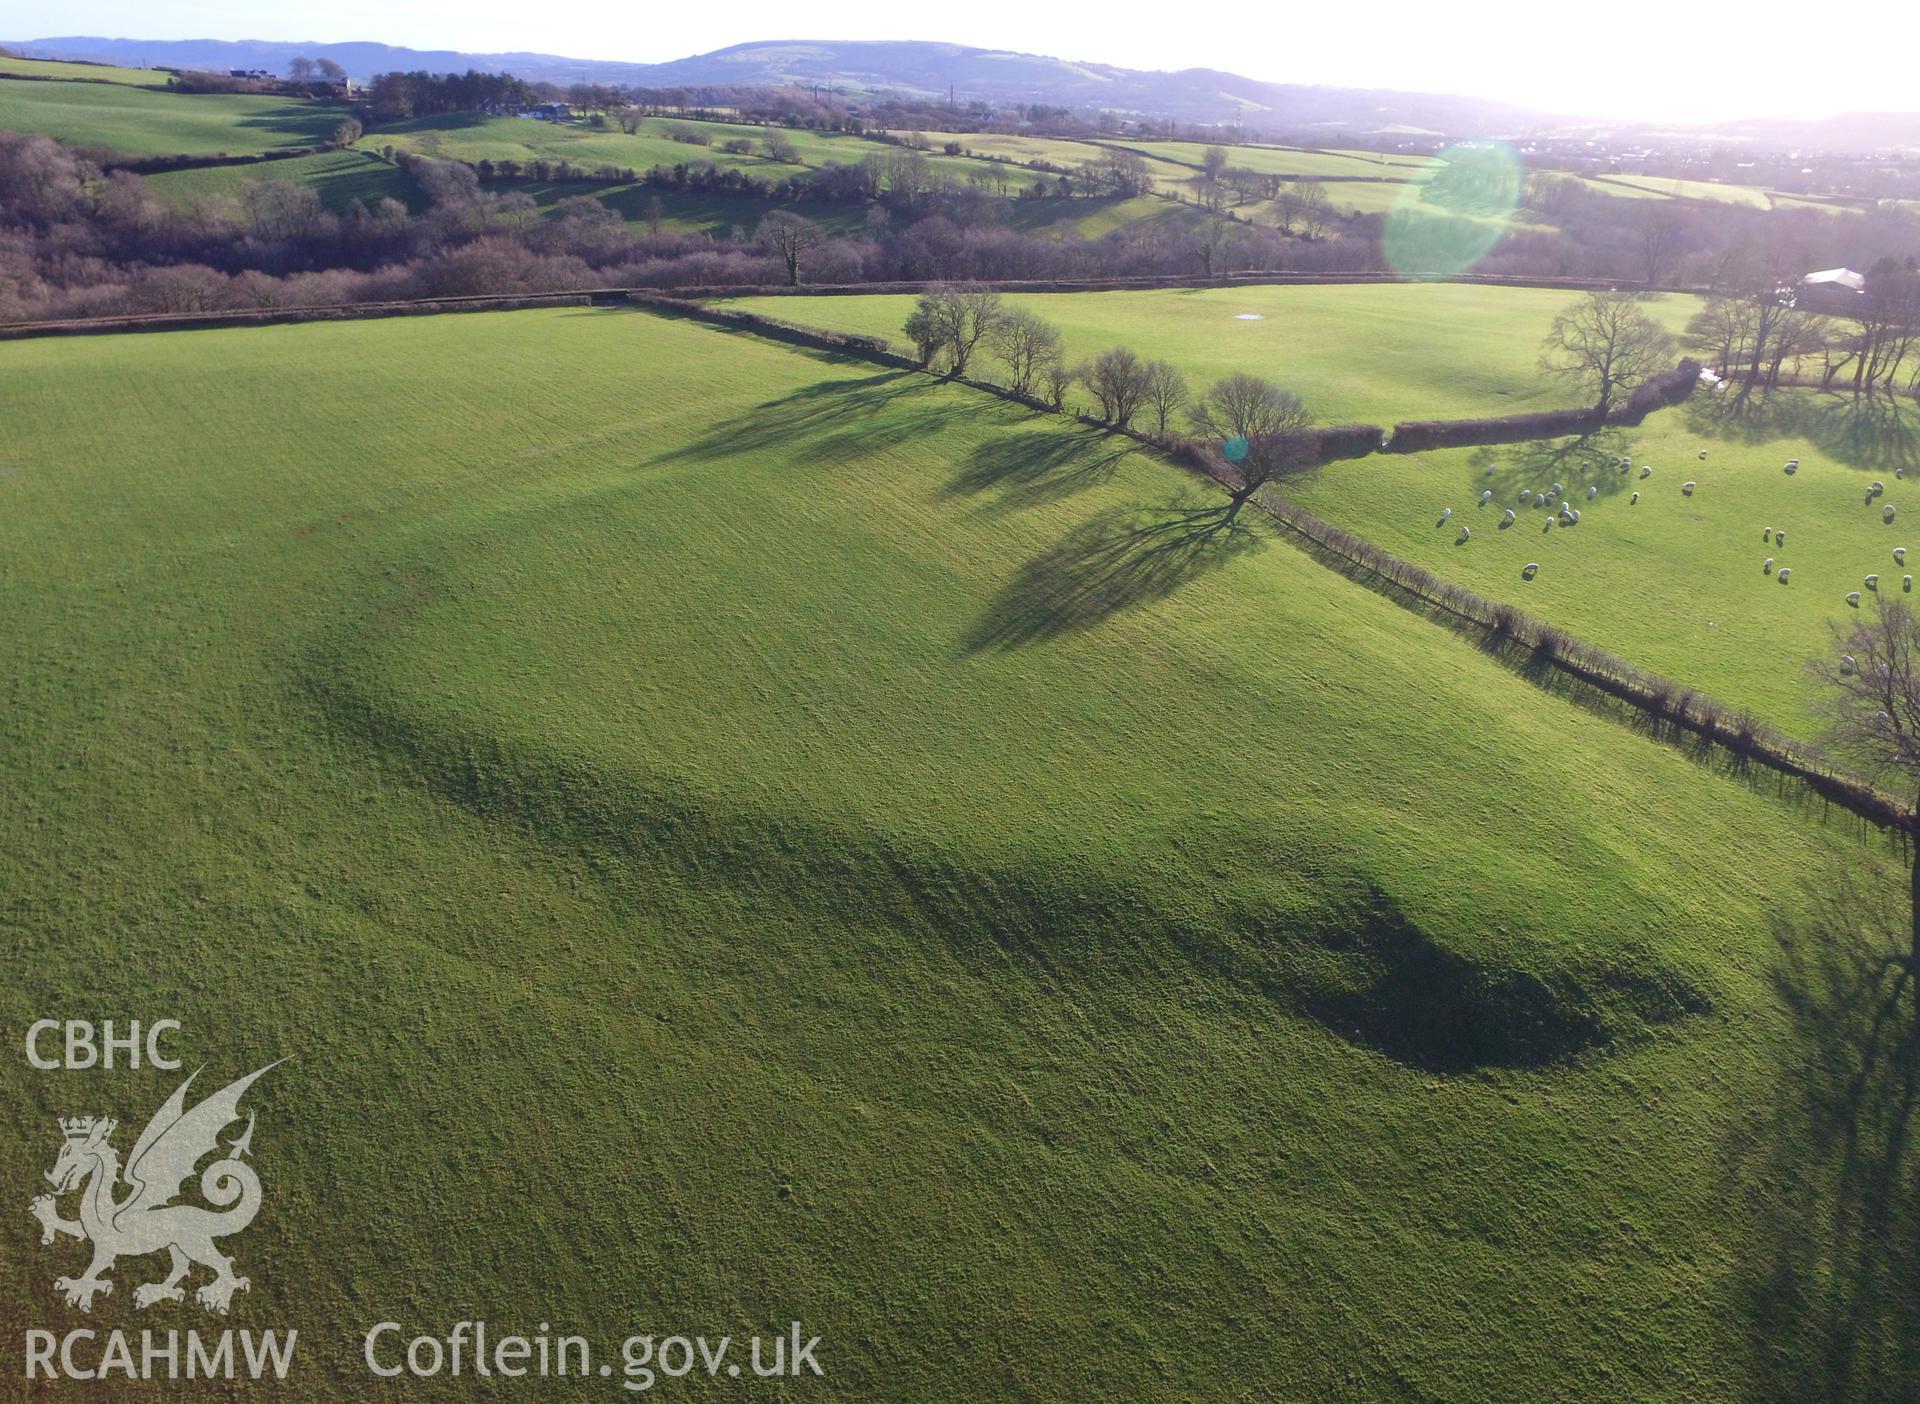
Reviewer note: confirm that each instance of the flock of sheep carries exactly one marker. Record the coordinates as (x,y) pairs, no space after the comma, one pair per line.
(1569,515)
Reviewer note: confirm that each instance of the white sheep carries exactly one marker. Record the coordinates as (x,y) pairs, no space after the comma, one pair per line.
(1779,538)
(1486,497)
(1490,468)
(1766,533)
(1846,664)
(1793,466)
(1532,567)
(1592,492)
(1886,513)
(1785,571)
(1877,488)
(1558,487)
(1508,519)
(1853,598)
(1647,471)
(1634,499)
(1539,499)
(1686,489)
(1906,583)
(1466,534)
(1445,512)
(1766,566)
(1873,582)
(1703,453)
(1899,555)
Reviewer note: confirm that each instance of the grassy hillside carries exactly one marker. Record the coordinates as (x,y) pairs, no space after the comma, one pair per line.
(1674,583)
(146,122)
(771,838)
(1354,353)
(340,177)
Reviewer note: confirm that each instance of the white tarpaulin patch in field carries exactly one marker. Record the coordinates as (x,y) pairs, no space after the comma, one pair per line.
(1248,317)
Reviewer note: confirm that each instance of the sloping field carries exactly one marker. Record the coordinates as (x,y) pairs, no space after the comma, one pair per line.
(146,122)
(340,177)
(942,891)
(1354,353)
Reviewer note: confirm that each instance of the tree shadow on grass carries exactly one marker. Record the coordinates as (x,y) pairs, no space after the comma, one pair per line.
(1877,432)
(1535,466)
(1117,560)
(832,419)
(1827,1179)
(1034,467)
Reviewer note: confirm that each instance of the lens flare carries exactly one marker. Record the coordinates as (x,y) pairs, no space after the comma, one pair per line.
(1450,220)
(1235,449)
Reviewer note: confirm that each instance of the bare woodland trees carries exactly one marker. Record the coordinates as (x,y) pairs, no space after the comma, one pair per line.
(1166,391)
(1606,344)
(1253,421)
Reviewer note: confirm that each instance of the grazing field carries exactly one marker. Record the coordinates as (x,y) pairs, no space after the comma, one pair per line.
(1288,160)
(1674,583)
(888,830)
(685,213)
(1372,354)
(340,177)
(145,122)
(1751,196)
(83,72)
(473,137)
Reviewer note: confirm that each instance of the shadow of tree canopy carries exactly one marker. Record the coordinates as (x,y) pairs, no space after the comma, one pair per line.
(1877,432)
(1829,1181)
(1033,467)
(1113,562)
(1535,466)
(833,418)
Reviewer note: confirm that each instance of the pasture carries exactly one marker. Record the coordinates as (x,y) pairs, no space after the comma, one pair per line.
(339,177)
(148,122)
(83,72)
(888,828)
(1355,353)
(1674,583)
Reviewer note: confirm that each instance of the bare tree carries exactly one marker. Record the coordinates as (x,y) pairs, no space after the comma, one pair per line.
(1253,423)
(955,319)
(1872,702)
(302,69)
(1661,235)
(1606,344)
(1059,378)
(1166,391)
(1118,380)
(779,147)
(1213,161)
(656,212)
(789,235)
(1025,343)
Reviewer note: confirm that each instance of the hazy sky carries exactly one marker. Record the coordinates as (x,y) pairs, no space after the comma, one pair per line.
(1670,60)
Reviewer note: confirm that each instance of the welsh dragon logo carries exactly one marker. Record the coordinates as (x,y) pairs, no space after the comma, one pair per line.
(144,1219)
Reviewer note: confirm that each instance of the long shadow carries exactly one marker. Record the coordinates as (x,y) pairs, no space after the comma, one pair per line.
(1829,1183)
(833,419)
(1033,467)
(1113,562)
(1877,432)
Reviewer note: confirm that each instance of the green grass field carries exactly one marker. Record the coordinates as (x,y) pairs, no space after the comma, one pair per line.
(83,72)
(1674,583)
(1354,353)
(145,122)
(340,177)
(769,837)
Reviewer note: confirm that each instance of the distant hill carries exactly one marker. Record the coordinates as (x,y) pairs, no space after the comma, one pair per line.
(919,69)
(909,68)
